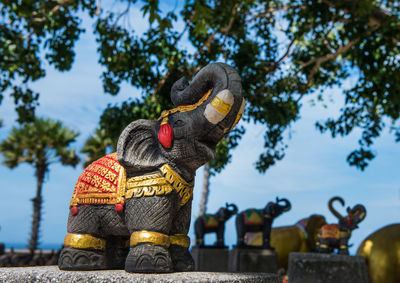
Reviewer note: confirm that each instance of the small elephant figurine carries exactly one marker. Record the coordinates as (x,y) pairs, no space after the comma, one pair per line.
(336,236)
(131,209)
(214,223)
(260,220)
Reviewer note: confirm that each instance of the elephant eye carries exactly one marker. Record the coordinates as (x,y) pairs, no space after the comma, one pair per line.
(179,123)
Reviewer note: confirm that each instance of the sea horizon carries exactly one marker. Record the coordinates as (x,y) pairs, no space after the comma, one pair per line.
(24,246)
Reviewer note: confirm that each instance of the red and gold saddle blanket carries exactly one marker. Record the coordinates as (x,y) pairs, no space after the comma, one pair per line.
(253,217)
(102,182)
(330,231)
(210,221)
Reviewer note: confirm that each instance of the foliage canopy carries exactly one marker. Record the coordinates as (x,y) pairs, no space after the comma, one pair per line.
(284,50)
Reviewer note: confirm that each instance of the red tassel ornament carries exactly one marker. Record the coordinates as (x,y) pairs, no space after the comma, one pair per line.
(74,210)
(165,134)
(119,207)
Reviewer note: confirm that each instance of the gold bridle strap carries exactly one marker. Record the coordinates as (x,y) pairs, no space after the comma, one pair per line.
(162,183)
(184,108)
(154,238)
(184,189)
(84,241)
(180,240)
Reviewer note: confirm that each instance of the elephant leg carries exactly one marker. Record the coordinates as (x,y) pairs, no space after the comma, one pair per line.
(199,230)
(180,242)
(112,224)
(267,237)
(199,242)
(324,246)
(117,249)
(318,245)
(240,228)
(220,236)
(343,248)
(83,249)
(149,220)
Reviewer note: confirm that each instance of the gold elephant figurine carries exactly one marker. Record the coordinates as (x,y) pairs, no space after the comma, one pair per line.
(381,249)
(293,238)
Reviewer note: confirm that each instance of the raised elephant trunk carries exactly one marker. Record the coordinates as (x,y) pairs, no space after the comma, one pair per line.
(234,209)
(210,77)
(358,211)
(287,205)
(332,209)
(215,100)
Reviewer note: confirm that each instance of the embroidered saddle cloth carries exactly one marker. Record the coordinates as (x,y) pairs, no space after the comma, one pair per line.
(330,231)
(253,217)
(104,182)
(210,221)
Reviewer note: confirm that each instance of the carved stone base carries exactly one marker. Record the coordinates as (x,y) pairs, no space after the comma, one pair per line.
(326,268)
(253,260)
(210,259)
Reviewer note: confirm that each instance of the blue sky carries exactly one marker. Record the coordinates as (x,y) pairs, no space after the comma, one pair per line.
(313,170)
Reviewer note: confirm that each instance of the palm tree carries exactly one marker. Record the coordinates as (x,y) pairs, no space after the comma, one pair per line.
(39,143)
(96,146)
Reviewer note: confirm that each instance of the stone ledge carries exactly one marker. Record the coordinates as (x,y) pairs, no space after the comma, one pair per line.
(54,275)
(326,268)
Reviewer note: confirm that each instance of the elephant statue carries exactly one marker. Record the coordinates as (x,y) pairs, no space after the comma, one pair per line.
(260,220)
(214,223)
(299,237)
(131,209)
(336,236)
(381,250)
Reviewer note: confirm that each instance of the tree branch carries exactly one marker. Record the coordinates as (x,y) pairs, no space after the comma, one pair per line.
(224,30)
(319,61)
(287,53)
(126,11)
(56,8)
(378,14)
(266,13)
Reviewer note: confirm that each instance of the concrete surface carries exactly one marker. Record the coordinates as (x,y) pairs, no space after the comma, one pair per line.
(54,275)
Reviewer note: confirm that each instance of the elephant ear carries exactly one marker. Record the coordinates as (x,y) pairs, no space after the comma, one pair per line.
(138,148)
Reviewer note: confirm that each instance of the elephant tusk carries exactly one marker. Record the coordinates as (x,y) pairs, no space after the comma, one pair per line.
(219,107)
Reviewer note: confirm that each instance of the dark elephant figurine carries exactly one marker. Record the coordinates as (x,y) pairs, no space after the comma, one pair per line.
(260,220)
(131,209)
(336,236)
(214,223)
(299,237)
